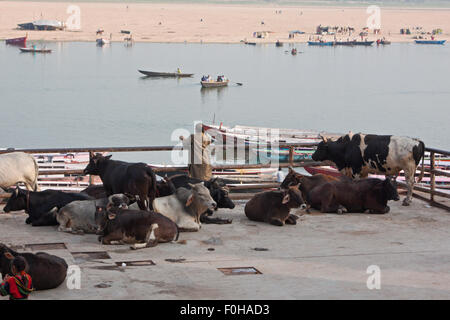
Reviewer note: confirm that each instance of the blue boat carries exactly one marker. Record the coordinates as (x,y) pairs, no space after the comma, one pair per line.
(430,41)
(318,43)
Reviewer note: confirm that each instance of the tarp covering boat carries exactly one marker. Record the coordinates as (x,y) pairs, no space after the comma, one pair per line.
(42,25)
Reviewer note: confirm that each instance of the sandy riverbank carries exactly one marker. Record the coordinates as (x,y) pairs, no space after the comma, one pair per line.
(209,23)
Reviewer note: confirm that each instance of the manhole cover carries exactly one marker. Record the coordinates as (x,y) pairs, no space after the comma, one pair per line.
(140,263)
(113,268)
(45,246)
(81,257)
(239,271)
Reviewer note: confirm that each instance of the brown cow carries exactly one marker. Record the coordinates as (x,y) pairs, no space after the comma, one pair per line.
(138,227)
(273,206)
(354,195)
(307,183)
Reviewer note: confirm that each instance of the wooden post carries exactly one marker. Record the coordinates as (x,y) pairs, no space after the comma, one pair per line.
(432,176)
(291,155)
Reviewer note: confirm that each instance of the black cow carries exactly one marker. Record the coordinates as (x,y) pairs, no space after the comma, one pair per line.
(41,206)
(357,155)
(47,271)
(218,192)
(354,195)
(124,177)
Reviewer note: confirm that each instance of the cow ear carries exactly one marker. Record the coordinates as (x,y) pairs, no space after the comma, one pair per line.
(286,199)
(191,185)
(91,154)
(8,255)
(99,209)
(111,216)
(108,157)
(291,170)
(189,200)
(350,134)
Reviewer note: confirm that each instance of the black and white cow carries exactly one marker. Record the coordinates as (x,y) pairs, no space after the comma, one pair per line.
(357,155)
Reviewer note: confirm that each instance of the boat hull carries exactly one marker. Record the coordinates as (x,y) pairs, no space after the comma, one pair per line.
(17,41)
(322,44)
(430,41)
(166,74)
(214,84)
(35,50)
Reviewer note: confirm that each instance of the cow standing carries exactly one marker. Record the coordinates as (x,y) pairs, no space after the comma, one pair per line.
(357,155)
(18,167)
(124,177)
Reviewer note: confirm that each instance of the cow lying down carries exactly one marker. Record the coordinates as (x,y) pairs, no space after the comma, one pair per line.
(274,206)
(354,195)
(186,206)
(47,271)
(138,227)
(41,206)
(79,216)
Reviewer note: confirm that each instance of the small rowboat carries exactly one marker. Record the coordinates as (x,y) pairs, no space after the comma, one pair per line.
(318,43)
(250,43)
(279,44)
(102,41)
(166,74)
(214,84)
(33,50)
(17,41)
(430,41)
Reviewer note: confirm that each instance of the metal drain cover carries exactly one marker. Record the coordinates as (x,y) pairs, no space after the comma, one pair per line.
(45,246)
(81,257)
(140,263)
(239,271)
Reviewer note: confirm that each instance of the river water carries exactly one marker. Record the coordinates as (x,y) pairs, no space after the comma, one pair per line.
(83,95)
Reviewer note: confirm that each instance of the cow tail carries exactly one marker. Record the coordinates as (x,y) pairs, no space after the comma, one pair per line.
(36,169)
(178,233)
(153,190)
(422,170)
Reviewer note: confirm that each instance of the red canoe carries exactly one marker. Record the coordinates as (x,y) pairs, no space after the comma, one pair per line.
(17,41)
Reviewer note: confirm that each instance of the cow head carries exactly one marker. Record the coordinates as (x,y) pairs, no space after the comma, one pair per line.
(96,162)
(6,256)
(17,201)
(292,178)
(121,200)
(321,153)
(292,197)
(101,218)
(220,194)
(390,189)
(200,199)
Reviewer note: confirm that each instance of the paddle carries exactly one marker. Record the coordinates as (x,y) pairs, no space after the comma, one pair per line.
(239,83)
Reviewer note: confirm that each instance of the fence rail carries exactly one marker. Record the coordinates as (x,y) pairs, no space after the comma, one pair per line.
(432,170)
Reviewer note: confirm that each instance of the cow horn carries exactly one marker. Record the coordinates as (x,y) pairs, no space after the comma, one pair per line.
(324,139)
(350,134)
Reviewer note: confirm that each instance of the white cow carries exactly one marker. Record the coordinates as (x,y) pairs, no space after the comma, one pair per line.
(18,167)
(186,206)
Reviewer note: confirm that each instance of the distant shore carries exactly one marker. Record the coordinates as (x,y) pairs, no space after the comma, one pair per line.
(213,23)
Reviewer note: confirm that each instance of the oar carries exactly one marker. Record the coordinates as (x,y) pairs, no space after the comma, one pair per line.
(239,83)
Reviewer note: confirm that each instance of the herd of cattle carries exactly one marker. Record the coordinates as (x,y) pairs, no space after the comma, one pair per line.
(133,207)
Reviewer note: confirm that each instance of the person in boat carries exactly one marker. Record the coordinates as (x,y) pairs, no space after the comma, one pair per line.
(204,78)
(178,70)
(198,146)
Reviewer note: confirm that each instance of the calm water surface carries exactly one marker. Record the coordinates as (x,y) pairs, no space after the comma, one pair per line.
(82,95)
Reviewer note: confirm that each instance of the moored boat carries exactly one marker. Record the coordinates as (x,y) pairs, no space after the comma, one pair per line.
(101,41)
(34,50)
(165,74)
(430,41)
(22,41)
(278,44)
(320,43)
(343,43)
(363,43)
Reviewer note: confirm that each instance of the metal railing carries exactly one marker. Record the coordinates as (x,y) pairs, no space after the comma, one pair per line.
(292,146)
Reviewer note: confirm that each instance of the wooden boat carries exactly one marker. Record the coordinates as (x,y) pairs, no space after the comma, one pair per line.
(250,43)
(294,51)
(214,84)
(430,41)
(363,43)
(166,74)
(343,43)
(101,41)
(278,44)
(319,43)
(383,42)
(22,41)
(33,50)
